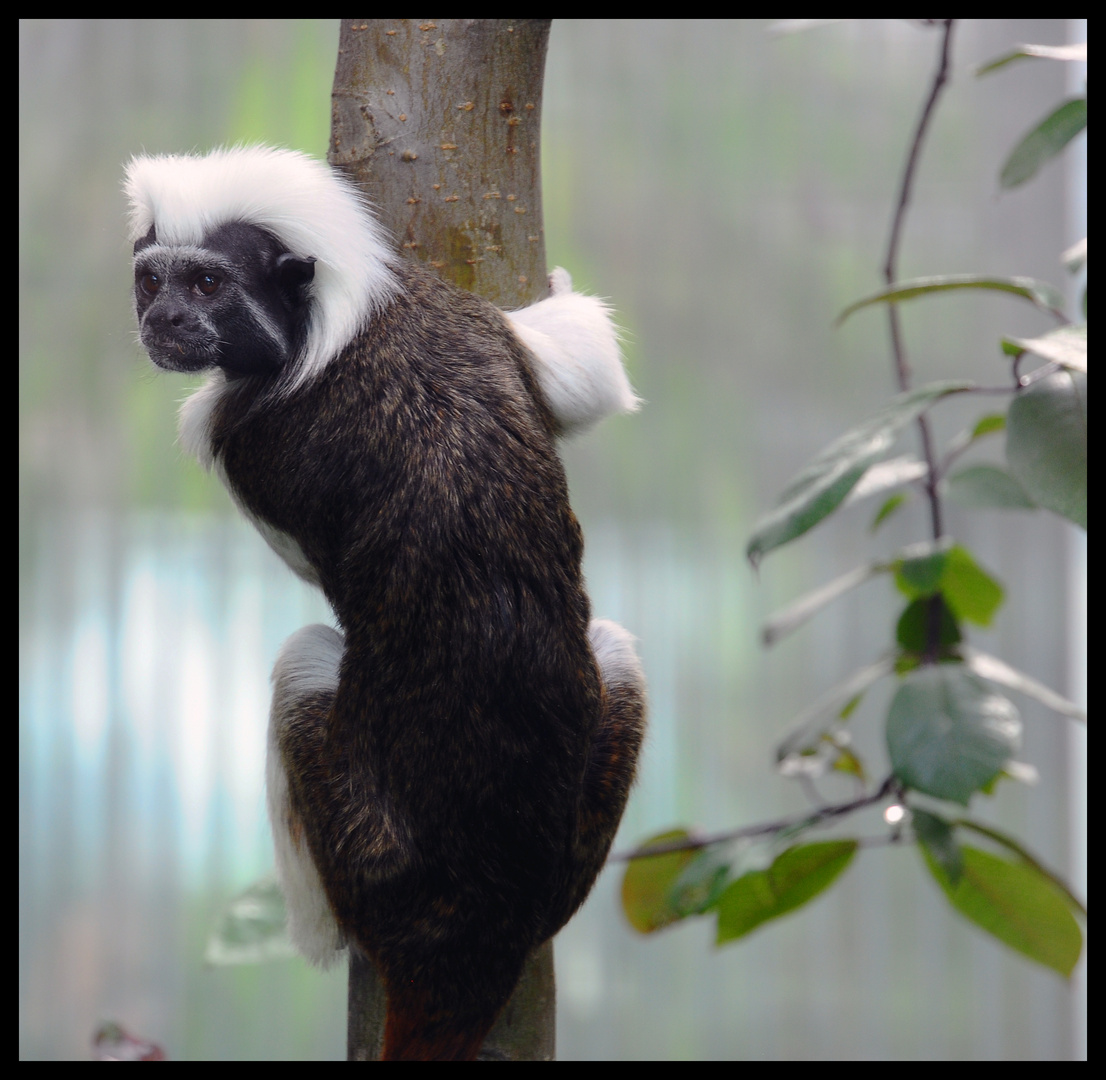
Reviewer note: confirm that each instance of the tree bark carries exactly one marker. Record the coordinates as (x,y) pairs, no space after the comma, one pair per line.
(439,122)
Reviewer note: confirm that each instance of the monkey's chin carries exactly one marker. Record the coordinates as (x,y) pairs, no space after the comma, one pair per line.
(171,358)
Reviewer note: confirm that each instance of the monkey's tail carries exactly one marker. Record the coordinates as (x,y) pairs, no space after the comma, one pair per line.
(413,1033)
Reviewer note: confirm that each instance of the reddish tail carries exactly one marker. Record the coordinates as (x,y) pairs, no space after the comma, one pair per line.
(412,1033)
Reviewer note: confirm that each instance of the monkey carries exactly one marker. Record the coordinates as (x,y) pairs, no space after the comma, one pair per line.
(447,768)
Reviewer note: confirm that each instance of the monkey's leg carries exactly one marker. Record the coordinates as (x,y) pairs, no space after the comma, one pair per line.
(612,760)
(305,678)
(614,752)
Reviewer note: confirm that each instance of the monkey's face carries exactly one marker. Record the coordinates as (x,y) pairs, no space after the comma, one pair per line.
(238,301)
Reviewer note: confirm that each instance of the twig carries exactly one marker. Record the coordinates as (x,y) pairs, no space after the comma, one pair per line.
(902,366)
(890,265)
(801,821)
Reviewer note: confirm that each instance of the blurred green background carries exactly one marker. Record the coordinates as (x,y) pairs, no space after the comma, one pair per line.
(730,191)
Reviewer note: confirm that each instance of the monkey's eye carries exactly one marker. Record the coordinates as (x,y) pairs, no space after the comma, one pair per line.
(150,284)
(207,283)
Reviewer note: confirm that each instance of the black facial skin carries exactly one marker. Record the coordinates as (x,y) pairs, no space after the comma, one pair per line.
(240,301)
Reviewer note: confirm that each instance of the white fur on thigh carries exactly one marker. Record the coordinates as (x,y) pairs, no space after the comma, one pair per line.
(307,664)
(614,651)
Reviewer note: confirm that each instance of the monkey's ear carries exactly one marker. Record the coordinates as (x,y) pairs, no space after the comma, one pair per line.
(146,241)
(293,272)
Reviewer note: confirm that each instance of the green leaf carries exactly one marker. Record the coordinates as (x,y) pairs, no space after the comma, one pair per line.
(968,590)
(1065,345)
(1039,293)
(1046,443)
(794,615)
(851,763)
(794,878)
(919,570)
(1075,257)
(831,753)
(1023,856)
(887,509)
(885,475)
(813,723)
(820,487)
(252,928)
(912,629)
(1015,903)
(949,733)
(936,836)
(1076,51)
(808,506)
(996,670)
(1044,142)
(702,881)
(988,486)
(648,883)
(987,425)
(850,706)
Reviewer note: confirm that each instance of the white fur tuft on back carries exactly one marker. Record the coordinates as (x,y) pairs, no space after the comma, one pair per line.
(579,364)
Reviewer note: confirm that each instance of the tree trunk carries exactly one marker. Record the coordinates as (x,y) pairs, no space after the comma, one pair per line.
(439,122)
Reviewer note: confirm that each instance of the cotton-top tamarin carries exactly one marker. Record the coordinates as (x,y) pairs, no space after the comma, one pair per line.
(446,772)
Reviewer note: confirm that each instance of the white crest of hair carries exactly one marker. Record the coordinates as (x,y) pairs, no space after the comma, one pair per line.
(311,209)
(579,363)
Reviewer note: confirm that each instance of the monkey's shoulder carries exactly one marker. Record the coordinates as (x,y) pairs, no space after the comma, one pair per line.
(427,421)
(435,330)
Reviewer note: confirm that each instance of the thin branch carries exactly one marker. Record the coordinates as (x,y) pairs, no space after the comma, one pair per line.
(891,263)
(798,821)
(890,273)
(902,365)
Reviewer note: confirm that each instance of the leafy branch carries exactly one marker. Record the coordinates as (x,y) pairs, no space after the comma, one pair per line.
(950,730)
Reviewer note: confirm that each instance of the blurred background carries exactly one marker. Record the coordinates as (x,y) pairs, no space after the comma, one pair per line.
(730,191)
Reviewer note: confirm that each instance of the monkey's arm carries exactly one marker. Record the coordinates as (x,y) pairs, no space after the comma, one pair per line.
(579,364)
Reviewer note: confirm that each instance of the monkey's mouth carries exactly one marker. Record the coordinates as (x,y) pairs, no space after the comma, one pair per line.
(176,356)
